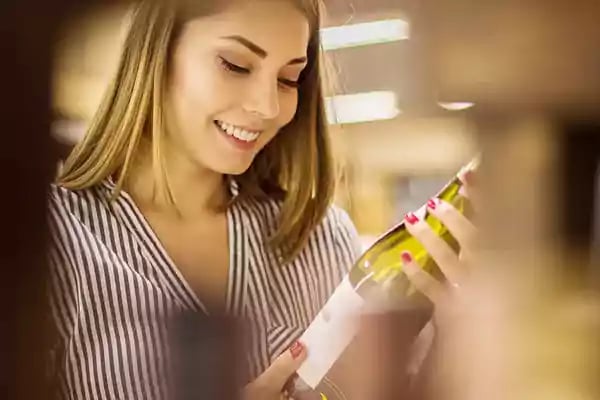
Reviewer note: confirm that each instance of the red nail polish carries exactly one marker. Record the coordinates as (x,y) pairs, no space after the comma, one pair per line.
(432,204)
(406,257)
(296,349)
(411,218)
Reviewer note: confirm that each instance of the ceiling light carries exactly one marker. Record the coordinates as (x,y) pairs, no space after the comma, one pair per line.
(456,106)
(362,34)
(361,107)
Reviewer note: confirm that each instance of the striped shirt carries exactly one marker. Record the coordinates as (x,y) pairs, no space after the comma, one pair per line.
(113,287)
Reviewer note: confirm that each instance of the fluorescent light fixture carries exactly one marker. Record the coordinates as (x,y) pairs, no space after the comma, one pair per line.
(456,106)
(366,33)
(361,107)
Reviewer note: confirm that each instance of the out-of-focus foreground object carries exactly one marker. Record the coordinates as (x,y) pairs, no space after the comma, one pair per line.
(529,72)
(515,54)
(531,327)
(27,163)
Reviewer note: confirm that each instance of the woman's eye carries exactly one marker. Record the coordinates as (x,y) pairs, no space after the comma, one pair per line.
(233,67)
(289,83)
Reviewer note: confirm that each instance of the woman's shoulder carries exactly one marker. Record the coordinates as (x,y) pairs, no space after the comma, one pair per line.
(340,218)
(333,245)
(63,200)
(335,234)
(60,194)
(338,226)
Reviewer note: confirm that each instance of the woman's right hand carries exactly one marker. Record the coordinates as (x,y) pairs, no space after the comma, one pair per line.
(271,384)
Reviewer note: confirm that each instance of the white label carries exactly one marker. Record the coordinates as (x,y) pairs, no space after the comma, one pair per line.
(330,333)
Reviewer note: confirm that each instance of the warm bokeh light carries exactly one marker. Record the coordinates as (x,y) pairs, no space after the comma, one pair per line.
(367,33)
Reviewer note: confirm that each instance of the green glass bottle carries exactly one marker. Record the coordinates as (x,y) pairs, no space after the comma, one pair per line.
(377,275)
(382,261)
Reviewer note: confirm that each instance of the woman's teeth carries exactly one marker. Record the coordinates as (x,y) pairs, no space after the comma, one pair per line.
(237,132)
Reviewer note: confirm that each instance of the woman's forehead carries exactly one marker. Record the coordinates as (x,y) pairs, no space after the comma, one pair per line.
(190,9)
(265,25)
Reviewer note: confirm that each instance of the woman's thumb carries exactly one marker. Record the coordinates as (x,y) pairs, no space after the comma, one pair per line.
(276,376)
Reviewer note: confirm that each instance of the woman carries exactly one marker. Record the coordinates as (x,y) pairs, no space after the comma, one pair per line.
(203,184)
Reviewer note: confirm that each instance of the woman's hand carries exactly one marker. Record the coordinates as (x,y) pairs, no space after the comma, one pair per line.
(449,297)
(445,295)
(271,384)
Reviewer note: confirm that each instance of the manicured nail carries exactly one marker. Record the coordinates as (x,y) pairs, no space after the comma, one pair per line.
(411,218)
(406,257)
(432,204)
(296,349)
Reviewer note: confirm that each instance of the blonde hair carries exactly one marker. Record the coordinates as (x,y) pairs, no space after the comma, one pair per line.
(296,167)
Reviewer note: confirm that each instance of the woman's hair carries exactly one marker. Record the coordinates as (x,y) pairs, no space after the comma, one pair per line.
(296,167)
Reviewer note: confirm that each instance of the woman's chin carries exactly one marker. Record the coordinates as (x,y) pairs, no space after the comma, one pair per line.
(234,169)
(225,161)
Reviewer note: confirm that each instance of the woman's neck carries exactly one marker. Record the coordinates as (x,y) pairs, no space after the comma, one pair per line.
(197,191)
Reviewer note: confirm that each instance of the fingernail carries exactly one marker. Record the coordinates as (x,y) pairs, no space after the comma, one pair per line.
(296,349)
(406,257)
(432,204)
(411,218)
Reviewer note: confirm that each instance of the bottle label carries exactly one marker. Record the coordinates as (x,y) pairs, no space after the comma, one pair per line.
(330,333)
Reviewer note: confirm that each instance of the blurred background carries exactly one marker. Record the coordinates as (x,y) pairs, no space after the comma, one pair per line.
(419,87)
(398,140)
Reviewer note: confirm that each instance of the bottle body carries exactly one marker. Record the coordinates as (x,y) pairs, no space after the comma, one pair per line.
(378,270)
(381,263)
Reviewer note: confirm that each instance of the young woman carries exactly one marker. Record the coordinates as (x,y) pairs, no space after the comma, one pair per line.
(203,184)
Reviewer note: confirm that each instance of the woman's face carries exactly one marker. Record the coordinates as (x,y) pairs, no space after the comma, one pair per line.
(232,82)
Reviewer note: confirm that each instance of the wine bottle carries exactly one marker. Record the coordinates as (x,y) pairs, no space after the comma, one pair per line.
(379,267)
(381,263)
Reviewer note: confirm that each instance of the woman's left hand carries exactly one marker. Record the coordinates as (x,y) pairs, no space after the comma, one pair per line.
(446,296)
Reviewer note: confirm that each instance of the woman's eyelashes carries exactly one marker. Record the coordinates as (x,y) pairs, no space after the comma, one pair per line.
(233,67)
(239,70)
(290,83)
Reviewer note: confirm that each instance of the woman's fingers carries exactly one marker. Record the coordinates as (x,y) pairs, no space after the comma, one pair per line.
(459,226)
(470,190)
(444,256)
(270,385)
(421,279)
